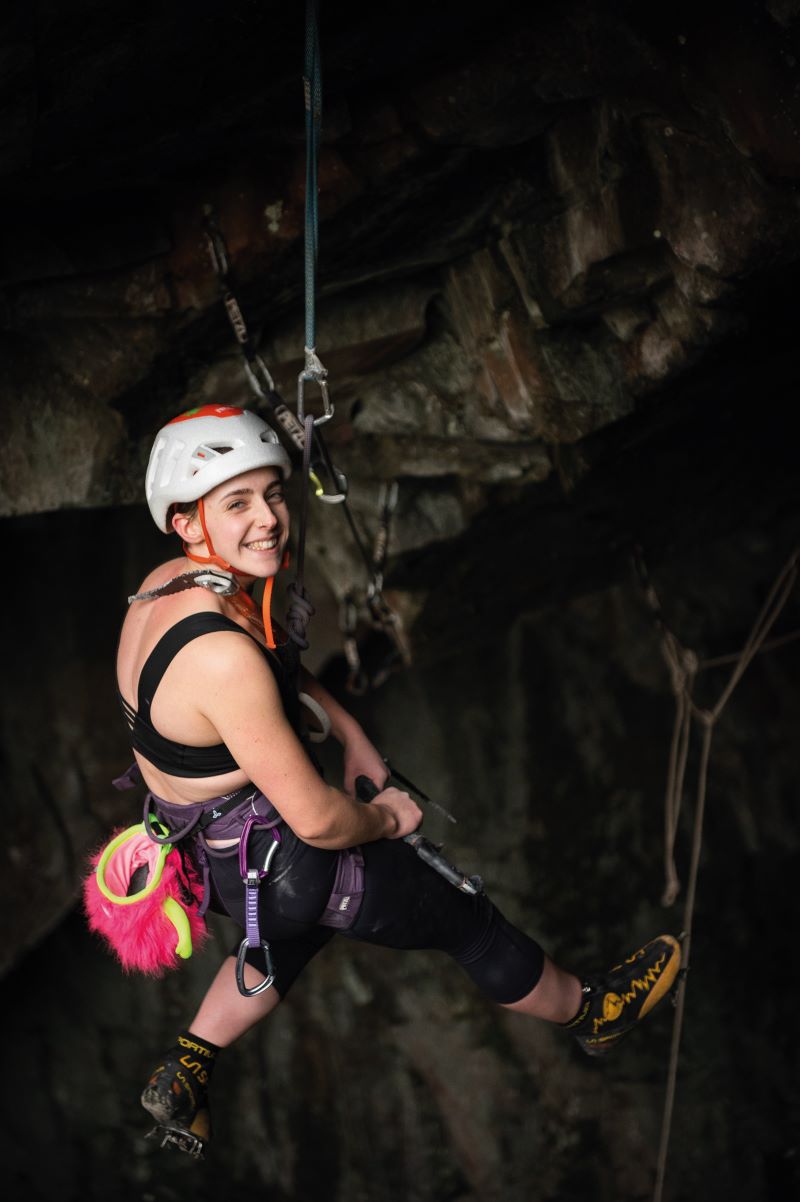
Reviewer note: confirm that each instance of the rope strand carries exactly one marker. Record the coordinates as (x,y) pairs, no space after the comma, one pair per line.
(684,665)
(312,90)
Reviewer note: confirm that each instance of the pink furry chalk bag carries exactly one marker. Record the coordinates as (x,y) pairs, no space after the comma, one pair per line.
(142,899)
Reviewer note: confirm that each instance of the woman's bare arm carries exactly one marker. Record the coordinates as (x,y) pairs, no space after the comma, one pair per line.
(361,756)
(240,698)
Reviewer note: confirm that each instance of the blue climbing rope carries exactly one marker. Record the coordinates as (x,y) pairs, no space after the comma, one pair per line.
(313,369)
(312,86)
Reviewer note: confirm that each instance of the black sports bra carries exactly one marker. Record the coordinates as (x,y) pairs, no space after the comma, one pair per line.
(179,759)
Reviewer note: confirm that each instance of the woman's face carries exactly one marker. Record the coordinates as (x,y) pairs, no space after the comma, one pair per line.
(248,521)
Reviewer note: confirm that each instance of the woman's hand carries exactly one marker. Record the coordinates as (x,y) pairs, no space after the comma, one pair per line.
(404,811)
(362,759)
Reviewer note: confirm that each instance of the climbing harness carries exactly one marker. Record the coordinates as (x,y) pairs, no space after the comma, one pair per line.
(684,667)
(245,810)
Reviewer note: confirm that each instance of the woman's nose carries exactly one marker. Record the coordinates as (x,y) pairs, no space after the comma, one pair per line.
(266,517)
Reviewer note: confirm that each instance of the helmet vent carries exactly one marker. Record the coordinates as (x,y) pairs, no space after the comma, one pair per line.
(207,452)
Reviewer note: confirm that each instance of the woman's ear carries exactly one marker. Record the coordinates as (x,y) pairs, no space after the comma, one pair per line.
(188,528)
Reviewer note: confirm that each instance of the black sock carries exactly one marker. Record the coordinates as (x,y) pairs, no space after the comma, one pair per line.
(198,1056)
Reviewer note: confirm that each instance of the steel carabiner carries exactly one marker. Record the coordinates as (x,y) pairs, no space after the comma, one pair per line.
(244,947)
(315,372)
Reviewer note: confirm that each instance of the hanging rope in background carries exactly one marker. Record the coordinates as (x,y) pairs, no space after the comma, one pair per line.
(684,667)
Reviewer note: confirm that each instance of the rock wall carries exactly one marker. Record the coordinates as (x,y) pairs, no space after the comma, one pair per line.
(385,1076)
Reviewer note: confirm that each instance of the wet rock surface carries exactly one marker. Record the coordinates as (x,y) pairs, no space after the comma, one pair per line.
(557,303)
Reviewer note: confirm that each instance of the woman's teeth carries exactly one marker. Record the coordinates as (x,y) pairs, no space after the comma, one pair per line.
(264,544)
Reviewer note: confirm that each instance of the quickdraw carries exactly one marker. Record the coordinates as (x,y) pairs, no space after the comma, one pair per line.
(381,616)
(259,376)
(251,879)
(357,679)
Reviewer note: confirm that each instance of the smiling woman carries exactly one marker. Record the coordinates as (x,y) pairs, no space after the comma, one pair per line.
(212,700)
(248,517)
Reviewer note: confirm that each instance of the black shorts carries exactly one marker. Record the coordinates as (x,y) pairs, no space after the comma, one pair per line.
(406,905)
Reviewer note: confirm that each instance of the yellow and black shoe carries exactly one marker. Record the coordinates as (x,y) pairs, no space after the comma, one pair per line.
(613,1004)
(177,1097)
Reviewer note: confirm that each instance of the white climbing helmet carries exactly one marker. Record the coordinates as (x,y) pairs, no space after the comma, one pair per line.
(205,447)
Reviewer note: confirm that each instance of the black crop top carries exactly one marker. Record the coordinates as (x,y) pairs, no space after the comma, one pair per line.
(179,759)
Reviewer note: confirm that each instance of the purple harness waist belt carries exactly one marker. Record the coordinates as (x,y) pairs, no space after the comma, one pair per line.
(233,816)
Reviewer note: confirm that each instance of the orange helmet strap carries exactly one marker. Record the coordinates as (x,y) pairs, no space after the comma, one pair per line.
(212,557)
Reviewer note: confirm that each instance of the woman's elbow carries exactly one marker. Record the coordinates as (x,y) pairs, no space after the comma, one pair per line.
(327,839)
(324,830)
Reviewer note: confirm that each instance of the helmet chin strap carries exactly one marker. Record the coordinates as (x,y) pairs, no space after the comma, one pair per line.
(247,604)
(213,557)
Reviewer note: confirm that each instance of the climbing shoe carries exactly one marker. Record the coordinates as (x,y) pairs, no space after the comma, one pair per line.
(177,1097)
(614,1003)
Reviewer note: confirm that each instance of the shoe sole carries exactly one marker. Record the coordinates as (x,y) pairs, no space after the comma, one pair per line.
(159,1105)
(667,978)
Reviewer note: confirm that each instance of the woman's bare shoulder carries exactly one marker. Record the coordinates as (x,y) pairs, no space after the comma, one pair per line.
(161,574)
(147,620)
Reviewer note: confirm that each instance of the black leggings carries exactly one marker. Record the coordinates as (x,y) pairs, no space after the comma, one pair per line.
(406,905)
